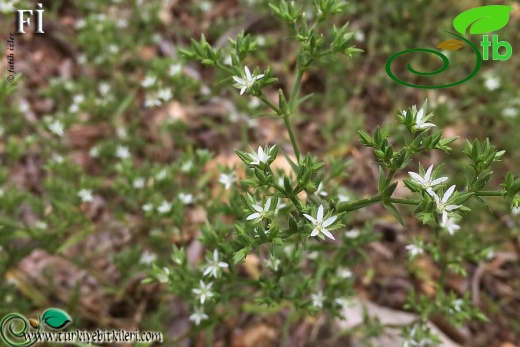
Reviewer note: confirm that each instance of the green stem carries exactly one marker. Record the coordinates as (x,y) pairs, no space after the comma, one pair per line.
(269,104)
(347,207)
(293,137)
(404,201)
(489,193)
(296,89)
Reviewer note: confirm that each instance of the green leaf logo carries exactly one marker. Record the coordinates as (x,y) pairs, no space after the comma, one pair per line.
(56,318)
(482,19)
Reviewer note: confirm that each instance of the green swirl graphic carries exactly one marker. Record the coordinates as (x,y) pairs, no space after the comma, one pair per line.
(7,327)
(445,64)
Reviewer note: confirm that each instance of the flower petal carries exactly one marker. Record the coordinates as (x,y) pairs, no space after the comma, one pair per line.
(248,73)
(329,221)
(448,193)
(416,177)
(253,216)
(319,216)
(311,218)
(315,232)
(327,233)
(439,180)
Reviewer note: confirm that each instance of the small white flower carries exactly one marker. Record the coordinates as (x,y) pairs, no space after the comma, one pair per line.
(245,84)
(414,249)
(113,49)
(515,211)
(78,99)
(56,127)
(94,152)
(427,182)
(164,275)
(273,263)
(85,195)
(148,81)
(205,6)
(227,179)
(352,234)
(121,133)
(80,23)
(261,212)
(343,302)
(320,191)
(254,103)
(121,23)
(442,207)
(174,69)
(198,315)
(261,156)
(148,207)
(122,152)
(204,291)
(40,225)
(58,159)
(147,257)
(456,305)
(419,122)
(317,299)
(152,100)
(138,183)
(104,88)
(359,36)
(161,175)
(186,198)
(343,197)
(165,207)
(510,112)
(320,225)
(449,224)
(492,83)
(74,108)
(165,94)
(214,265)
(187,166)
(344,273)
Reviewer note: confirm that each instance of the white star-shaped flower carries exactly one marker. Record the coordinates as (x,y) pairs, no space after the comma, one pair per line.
(198,315)
(492,83)
(164,275)
(147,207)
(420,123)
(56,127)
(227,179)
(442,206)
(427,182)
(138,183)
(214,265)
(152,99)
(449,224)
(147,257)
(165,207)
(204,291)
(261,156)
(165,94)
(174,69)
(273,263)
(415,249)
(320,225)
(85,195)
(317,299)
(122,152)
(261,212)
(245,84)
(186,198)
(148,81)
